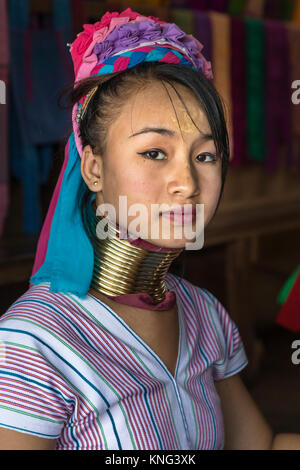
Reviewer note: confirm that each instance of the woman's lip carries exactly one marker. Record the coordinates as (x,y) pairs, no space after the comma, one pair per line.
(180,218)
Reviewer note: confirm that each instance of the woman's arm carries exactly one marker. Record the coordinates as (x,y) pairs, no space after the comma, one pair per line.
(286,442)
(245,426)
(13,440)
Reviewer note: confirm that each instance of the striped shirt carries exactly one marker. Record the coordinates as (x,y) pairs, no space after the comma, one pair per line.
(72,369)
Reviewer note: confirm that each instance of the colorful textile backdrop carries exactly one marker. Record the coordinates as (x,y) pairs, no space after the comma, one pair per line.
(238,91)
(293,32)
(289,298)
(4,84)
(255,60)
(255,8)
(221,60)
(40,68)
(277,94)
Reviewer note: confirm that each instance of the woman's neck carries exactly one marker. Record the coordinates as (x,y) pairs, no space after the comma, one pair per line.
(131,272)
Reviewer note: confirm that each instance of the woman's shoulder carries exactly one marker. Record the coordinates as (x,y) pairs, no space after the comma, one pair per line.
(35,352)
(39,315)
(216,329)
(36,300)
(202,306)
(191,290)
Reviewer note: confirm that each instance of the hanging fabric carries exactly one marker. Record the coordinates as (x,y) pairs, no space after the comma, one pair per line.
(221,64)
(289,316)
(287,10)
(4,86)
(293,32)
(41,68)
(178,3)
(203,32)
(219,5)
(255,8)
(79,15)
(286,289)
(277,93)
(238,91)
(201,5)
(296,13)
(40,57)
(184,18)
(255,60)
(273,9)
(236,7)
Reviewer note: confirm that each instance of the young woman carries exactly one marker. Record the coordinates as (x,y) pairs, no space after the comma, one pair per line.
(108,349)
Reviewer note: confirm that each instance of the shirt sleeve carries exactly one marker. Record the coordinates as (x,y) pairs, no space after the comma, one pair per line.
(33,396)
(232,358)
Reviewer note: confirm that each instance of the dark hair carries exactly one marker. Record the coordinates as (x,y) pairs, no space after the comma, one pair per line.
(114,89)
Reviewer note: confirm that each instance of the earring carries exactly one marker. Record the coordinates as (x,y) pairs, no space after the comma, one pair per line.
(95,182)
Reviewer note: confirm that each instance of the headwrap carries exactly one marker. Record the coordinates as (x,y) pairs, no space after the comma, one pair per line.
(117,42)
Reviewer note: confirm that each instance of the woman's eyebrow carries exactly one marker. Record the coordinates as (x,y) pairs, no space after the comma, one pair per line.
(162,131)
(158,130)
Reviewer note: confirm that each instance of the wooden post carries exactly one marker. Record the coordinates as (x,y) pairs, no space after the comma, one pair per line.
(237,276)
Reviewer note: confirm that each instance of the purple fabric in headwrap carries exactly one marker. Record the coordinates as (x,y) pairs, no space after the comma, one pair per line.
(131,35)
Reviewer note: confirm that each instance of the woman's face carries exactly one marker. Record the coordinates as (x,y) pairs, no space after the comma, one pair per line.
(156,154)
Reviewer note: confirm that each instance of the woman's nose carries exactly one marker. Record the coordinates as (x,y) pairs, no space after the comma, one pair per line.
(183,180)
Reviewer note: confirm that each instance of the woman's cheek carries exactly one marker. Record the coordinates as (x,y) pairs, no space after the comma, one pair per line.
(211,201)
(141,188)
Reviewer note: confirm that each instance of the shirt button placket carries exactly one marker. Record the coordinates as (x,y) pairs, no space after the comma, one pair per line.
(188,437)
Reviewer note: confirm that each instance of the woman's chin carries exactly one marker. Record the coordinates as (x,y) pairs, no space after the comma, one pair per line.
(170,243)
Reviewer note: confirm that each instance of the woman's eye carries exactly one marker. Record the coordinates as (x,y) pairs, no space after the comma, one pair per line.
(153,154)
(207,157)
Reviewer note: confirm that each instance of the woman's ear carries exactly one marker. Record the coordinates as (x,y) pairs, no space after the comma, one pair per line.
(91,169)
